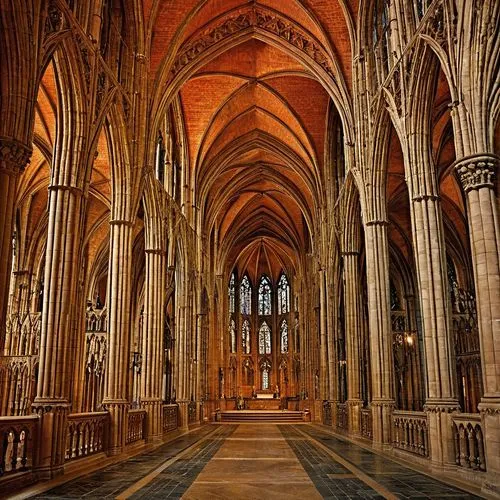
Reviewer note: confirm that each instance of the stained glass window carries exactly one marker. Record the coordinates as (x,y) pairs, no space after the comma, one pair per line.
(245,336)
(264,339)
(245,296)
(264,296)
(231,294)
(232,334)
(395,302)
(265,379)
(284,336)
(283,295)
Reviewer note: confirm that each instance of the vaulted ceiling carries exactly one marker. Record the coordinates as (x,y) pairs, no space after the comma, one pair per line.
(251,76)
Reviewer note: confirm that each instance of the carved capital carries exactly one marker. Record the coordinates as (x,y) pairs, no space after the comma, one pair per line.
(477,171)
(13,156)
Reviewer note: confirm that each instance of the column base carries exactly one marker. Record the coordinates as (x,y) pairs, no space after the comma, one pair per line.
(118,412)
(382,421)
(354,415)
(441,441)
(50,455)
(154,429)
(183,415)
(489,407)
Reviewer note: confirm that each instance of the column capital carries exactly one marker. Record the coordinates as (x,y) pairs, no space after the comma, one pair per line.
(477,171)
(13,156)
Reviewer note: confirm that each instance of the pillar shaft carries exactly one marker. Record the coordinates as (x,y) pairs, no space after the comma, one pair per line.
(377,257)
(118,360)
(353,338)
(324,372)
(477,175)
(430,258)
(13,158)
(66,209)
(152,342)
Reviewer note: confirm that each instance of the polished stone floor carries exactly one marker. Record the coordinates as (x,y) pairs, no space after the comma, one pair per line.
(255,461)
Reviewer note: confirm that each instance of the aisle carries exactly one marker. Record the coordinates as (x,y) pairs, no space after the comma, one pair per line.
(255,462)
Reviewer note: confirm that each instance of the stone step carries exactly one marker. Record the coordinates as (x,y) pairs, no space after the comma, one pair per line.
(262,416)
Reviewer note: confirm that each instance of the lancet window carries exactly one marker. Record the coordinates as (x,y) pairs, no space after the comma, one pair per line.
(245,336)
(284,337)
(264,339)
(265,308)
(232,334)
(245,296)
(231,294)
(283,295)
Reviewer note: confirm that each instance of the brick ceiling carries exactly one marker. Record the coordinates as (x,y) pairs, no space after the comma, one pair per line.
(255,119)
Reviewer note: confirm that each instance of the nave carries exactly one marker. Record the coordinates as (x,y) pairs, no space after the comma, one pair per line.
(248,461)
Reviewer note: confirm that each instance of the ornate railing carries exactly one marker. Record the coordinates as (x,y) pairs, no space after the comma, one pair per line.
(191,412)
(136,426)
(327,413)
(366,423)
(86,434)
(17,435)
(410,432)
(341,416)
(469,445)
(170,418)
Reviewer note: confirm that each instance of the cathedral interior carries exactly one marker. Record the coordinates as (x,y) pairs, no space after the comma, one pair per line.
(265,222)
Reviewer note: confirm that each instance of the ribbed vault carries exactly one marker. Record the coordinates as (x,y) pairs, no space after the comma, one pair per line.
(255,81)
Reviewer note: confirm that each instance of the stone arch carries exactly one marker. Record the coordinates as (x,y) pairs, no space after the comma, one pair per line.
(243,25)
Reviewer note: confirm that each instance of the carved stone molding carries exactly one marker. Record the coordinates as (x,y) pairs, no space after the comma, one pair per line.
(441,406)
(13,156)
(477,171)
(252,19)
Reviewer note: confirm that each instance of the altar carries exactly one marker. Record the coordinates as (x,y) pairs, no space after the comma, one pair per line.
(263,403)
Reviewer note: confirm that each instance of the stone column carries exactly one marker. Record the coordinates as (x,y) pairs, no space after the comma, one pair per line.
(152,342)
(66,208)
(118,356)
(430,259)
(477,174)
(13,158)
(324,373)
(377,260)
(352,294)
